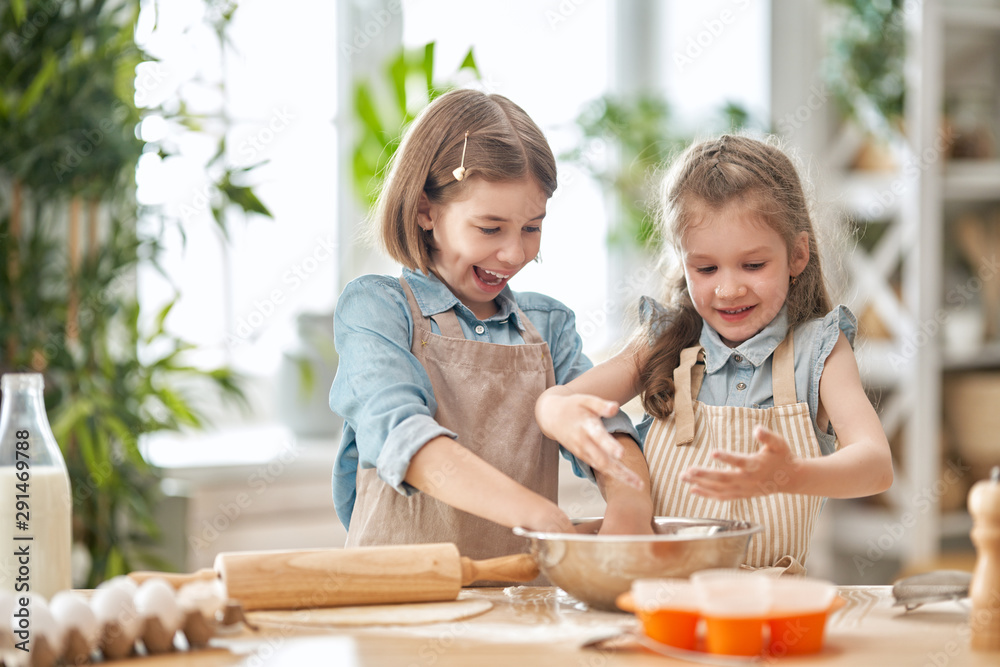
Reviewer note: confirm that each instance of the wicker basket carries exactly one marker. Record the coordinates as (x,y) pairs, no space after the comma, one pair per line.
(972,417)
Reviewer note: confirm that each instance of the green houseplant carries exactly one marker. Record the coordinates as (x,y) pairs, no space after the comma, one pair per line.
(68,238)
(863,67)
(641,134)
(642,129)
(385,105)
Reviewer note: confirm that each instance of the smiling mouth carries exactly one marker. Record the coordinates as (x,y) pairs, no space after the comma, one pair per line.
(734,315)
(491,278)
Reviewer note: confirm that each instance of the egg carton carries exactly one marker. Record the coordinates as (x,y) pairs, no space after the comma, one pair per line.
(120,620)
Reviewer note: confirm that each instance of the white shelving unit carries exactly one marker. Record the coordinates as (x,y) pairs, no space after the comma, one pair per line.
(950,44)
(905,276)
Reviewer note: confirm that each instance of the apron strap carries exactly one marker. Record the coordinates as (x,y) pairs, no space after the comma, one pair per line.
(420,323)
(448,324)
(530,334)
(687,382)
(783,372)
(447,321)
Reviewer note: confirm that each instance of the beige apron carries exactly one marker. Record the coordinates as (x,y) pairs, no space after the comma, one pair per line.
(688,436)
(486,394)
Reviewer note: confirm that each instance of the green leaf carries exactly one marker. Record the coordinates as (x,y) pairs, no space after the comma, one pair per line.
(115,425)
(166,362)
(219,214)
(428,65)
(381,123)
(18,10)
(246,170)
(115,564)
(161,317)
(178,407)
(65,420)
(244,198)
(364,109)
(88,450)
(469,62)
(38,85)
(220,152)
(398,71)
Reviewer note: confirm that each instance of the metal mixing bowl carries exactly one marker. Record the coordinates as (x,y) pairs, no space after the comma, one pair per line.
(596,569)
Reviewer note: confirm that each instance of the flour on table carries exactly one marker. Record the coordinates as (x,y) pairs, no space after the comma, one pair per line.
(416,613)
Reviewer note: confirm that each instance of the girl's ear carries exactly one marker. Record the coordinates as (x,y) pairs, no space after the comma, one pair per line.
(424,212)
(799,257)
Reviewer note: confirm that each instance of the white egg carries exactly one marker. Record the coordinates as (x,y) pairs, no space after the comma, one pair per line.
(115,604)
(156,599)
(208,597)
(72,611)
(34,621)
(121,581)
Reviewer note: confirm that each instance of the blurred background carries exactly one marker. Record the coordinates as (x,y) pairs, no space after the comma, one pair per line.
(184,184)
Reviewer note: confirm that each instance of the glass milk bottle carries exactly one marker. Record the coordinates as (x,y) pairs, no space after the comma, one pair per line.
(35,500)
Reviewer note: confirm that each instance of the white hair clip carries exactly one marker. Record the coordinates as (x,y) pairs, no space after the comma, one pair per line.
(459,173)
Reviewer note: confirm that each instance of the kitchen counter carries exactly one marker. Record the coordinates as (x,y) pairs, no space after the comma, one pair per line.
(545,627)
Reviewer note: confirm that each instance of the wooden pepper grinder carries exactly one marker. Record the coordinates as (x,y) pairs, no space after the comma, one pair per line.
(984,619)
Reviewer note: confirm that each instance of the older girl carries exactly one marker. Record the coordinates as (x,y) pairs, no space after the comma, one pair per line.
(440,368)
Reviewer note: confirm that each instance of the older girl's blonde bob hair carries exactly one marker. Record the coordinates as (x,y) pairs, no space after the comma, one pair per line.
(503,144)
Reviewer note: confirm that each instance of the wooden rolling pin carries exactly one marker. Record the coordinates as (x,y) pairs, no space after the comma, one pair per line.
(339,577)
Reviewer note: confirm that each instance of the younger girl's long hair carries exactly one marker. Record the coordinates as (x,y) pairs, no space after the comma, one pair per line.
(713,174)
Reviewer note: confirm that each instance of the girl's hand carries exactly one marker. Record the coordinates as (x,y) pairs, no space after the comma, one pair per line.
(767,471)
(446,470)
(629,510)
(548,518)
(574,421)
(626,523)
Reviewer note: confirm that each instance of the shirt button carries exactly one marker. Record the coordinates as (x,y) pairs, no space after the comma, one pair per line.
(741,386)
(737,358)
(480,329)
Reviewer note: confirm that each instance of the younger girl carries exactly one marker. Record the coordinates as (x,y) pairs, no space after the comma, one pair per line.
(748,376)
(440,369)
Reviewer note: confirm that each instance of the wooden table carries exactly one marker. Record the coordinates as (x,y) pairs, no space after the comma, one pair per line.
(544,627)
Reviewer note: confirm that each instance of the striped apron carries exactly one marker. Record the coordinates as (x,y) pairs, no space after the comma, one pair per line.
(688,436)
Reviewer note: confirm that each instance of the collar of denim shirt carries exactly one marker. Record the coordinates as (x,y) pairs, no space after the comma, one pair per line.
(756,350)
(434,297)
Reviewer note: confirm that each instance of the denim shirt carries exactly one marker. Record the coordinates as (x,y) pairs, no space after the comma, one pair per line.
(383,392)
(741,376)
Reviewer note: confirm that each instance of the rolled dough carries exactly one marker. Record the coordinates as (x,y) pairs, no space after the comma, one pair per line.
(415,613)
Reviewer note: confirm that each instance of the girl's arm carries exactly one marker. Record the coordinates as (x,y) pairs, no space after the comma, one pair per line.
(446,470)
(386,398)
(571,415)
(630,509)
(862,466)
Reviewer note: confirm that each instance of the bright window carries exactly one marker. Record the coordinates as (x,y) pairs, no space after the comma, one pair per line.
(550,64)
(239,297)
